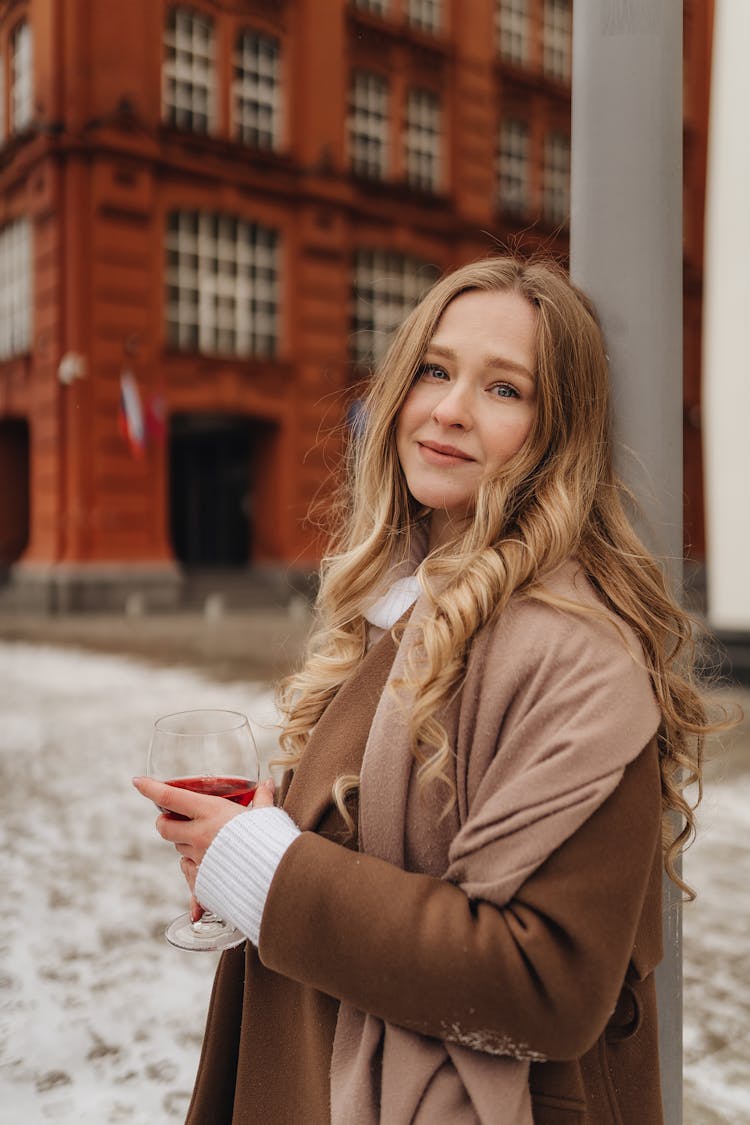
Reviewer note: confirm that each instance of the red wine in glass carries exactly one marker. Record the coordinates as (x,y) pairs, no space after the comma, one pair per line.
(209,752)
(238,789)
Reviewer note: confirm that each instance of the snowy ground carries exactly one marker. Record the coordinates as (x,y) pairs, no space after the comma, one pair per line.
(101,1020)
(715,929)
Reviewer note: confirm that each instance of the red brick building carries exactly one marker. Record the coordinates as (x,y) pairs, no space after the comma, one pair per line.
(227,207)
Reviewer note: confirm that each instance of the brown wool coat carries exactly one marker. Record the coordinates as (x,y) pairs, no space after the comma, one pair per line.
(547,969)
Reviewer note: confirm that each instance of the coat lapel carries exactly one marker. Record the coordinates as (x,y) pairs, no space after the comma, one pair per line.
(338,741)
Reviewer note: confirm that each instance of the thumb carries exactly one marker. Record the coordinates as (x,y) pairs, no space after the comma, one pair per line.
(263,798)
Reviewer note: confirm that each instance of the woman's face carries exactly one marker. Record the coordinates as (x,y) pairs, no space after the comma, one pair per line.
(472,404)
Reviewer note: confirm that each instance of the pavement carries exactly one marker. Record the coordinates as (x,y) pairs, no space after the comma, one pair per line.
(260,644)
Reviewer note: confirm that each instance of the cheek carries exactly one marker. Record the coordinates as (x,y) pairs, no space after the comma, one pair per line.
(501,447)
(414,409)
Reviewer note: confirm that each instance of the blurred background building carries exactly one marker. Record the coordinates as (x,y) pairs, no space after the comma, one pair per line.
(212,215)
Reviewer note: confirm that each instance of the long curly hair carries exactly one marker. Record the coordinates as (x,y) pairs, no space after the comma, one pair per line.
(557,498)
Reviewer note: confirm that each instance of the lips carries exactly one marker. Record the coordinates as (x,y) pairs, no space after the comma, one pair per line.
(435,451)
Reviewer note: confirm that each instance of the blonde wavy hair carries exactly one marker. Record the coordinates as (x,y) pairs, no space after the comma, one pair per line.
(557,498)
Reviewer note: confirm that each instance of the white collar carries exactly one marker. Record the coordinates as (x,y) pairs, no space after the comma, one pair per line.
(385,611)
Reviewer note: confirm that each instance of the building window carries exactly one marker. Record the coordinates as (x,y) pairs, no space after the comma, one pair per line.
(556,178)
(21,95)
(427,15)
(15,289)
(189,71)
(369,125)
(379,7)
(222,285)
(513,166)
(257,90)
(386,287)
(556,39)
(512,30)
(423,140)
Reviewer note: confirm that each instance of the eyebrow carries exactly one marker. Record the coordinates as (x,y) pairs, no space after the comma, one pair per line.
(490,361)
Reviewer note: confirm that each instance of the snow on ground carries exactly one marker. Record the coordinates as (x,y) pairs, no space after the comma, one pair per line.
(715,931)
(100,1019)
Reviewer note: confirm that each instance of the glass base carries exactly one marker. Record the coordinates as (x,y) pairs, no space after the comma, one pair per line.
(208,934)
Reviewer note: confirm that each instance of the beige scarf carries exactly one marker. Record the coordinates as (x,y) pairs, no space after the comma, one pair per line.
(554,707)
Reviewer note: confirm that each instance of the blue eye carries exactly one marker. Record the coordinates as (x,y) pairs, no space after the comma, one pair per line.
(505,390)
(432,371)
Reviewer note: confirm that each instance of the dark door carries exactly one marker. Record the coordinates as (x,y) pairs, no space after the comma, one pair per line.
(210,489)
(14,489)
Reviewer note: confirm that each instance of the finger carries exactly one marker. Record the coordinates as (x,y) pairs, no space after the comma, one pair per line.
(263,798)
(189,870)
(196,910)
(175,831)
(172,798)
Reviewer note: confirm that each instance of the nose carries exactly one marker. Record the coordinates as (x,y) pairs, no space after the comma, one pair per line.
(454,407)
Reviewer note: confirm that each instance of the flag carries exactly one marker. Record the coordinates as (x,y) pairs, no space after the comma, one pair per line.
(156,418)
(132,425)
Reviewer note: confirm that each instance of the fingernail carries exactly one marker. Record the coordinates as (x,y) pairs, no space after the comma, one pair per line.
(136,780)
(268,783)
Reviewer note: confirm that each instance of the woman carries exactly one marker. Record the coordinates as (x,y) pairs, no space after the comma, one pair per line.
(456,914)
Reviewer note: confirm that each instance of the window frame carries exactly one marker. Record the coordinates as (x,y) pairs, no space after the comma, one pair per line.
(379,305)
(226,300)
(514,186)
(427,16)
(513,25)
(20,109)
(268,137)
(16,288)
(179,115)
(423,139)
(556,39)
(556,178)
(375,89)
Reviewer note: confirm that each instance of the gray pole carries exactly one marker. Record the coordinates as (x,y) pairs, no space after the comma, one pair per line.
(626,252)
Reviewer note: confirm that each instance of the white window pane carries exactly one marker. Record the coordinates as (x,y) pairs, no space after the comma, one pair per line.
(189,71)
(256,90)
(556,178)
(423,140)
(386,287)
(218,299)
(15,289)
(512,32)
(22,95)
(369,125)
(427,15)
(513,166)
(556,39)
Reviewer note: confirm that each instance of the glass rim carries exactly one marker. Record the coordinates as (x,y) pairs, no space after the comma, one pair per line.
(241,721)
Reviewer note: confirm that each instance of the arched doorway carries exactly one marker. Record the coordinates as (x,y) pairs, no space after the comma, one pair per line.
(218,468)
(14,473)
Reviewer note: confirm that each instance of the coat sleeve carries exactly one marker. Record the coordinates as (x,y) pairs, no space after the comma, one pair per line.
(537,977)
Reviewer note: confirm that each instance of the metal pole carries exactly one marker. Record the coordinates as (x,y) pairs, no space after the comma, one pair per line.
(626,252)
(726,387)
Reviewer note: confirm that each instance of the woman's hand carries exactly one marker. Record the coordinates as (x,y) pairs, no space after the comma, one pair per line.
(206,817)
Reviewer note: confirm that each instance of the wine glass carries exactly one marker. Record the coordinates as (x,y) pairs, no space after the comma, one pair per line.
(210,752)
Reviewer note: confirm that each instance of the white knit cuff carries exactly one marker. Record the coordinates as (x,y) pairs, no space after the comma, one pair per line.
(236,872)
